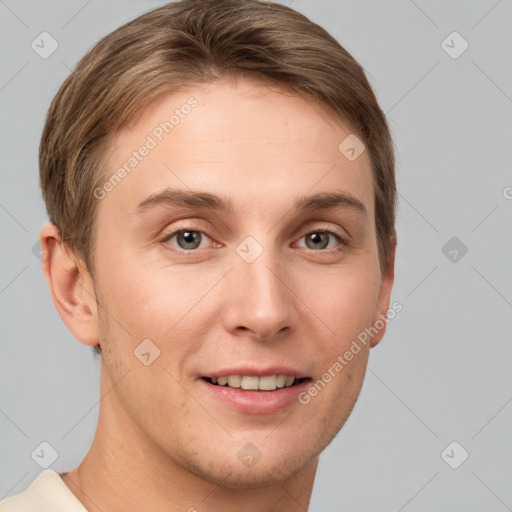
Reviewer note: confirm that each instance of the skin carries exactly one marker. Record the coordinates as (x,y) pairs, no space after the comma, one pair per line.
(162,443)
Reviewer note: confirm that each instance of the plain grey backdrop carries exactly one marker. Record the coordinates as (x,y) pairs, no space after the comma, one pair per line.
(432,427)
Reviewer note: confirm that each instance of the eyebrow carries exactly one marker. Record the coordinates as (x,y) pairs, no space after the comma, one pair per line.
(197,199)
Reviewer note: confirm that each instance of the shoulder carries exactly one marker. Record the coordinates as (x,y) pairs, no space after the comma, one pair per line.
(47,493)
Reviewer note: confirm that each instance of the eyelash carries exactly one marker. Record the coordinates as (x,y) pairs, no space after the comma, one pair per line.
(343,242)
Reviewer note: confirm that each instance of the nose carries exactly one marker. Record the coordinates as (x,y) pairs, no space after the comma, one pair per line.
(258,298)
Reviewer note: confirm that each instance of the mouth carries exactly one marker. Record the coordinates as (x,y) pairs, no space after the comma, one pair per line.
(256,383)
(255,391)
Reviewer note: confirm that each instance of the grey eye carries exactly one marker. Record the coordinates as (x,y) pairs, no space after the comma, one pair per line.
(187,239)
(317,240)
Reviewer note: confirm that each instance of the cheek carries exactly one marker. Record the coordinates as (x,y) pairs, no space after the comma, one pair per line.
(163,304)
(347,306)
(147,298)
(344,302)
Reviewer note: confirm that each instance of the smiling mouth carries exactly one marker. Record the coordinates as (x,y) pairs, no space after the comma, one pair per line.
(254,383)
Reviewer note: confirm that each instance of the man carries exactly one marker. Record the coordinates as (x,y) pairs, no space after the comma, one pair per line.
(220,185)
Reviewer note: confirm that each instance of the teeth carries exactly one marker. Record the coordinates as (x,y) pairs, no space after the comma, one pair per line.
(249,382)
(281,381)
(268,383)
(234,381)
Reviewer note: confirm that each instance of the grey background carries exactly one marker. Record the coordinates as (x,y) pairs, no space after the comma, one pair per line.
(442,372)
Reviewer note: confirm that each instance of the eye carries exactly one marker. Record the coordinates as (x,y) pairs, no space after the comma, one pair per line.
(187,239)
(320,240)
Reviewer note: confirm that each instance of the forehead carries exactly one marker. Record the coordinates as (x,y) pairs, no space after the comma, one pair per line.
(254,144)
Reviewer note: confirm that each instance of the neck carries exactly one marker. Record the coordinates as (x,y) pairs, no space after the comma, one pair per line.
(125,470)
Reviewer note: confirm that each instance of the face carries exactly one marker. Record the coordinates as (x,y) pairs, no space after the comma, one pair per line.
(213,250)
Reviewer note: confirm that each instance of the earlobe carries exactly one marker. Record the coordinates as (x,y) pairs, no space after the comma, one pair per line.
(380,321)
(71,286)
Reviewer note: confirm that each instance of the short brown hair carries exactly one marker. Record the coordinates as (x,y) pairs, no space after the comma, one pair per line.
(191,42)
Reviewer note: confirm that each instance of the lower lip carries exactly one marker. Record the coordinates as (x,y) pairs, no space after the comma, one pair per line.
(256,402)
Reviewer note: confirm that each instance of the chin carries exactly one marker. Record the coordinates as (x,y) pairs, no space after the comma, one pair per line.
(232,473)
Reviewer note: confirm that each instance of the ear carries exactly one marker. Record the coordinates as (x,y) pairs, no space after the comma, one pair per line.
(71,286)
(386,286)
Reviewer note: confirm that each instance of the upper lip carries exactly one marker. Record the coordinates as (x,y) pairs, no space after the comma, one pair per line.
(257,372)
